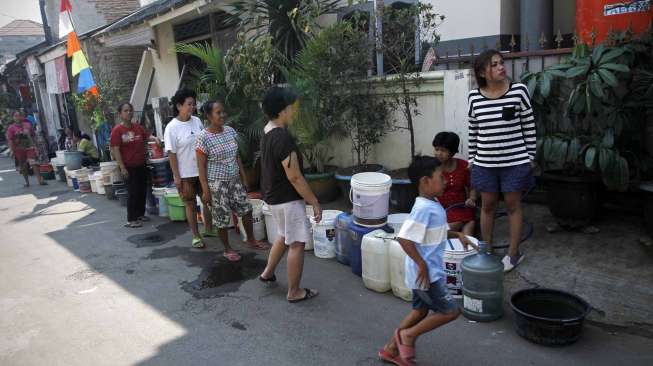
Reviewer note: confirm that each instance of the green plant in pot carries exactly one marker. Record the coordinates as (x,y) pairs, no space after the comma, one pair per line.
(338,100)
(587,131)
(405,78)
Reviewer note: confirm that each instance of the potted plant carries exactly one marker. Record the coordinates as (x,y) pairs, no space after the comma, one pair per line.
(589,129)
(399,48)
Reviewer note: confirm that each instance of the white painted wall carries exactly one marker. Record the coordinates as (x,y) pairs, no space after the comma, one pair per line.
(393,151)
(467,19)
(164,61)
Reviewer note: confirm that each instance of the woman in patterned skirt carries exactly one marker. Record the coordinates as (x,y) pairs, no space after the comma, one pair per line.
(221,176)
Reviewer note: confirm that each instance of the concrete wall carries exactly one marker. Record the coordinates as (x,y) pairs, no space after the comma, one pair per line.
(393,151)
(89,14)
(468,19)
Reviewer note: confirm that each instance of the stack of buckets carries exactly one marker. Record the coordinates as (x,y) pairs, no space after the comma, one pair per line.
(370,198)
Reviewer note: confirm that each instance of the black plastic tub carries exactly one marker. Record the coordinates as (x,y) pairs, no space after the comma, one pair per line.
(549,317)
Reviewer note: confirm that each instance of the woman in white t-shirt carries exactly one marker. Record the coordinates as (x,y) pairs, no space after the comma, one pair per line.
(179,137)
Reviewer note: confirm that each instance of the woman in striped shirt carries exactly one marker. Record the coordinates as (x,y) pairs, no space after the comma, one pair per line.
(501,146)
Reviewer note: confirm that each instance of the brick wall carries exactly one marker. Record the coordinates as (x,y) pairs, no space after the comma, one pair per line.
(115,9)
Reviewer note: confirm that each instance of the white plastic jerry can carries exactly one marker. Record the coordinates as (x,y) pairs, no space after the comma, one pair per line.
(398,271)
(376,261)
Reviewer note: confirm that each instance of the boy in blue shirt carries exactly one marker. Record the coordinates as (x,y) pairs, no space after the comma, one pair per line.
(423,237)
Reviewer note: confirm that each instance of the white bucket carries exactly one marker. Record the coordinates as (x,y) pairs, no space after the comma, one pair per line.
(270,224)
(258,221)
(159,194)
(395,221)
(110,172)
(324,234)
(60,155)
(370,197)
(454,253)
(93,183)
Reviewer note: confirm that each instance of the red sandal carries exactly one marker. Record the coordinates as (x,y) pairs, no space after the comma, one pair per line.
(386,356)
(406,353)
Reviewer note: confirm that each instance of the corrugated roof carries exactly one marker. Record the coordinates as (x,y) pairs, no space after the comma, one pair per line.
(147,12)
(22,27)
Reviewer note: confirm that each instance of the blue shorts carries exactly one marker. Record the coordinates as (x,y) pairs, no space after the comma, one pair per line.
(518,178)
(436,298)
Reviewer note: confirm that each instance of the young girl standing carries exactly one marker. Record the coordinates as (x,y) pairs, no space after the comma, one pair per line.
(502,146)
(458,198)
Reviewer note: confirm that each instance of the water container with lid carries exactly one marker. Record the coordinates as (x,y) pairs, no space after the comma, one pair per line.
(343,238)
(376,261)
(398,271)
(355,260)
(482,286)
(324,234)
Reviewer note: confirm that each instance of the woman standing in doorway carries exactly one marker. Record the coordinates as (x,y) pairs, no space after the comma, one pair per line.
(285,190)
(128,141)
(222,176)
(501,147)
(180,141)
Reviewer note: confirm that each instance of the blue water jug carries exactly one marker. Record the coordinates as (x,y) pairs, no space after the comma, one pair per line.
(343,238)
(355,257)
(482,276)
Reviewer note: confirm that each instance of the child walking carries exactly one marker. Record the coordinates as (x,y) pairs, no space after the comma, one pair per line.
(459,199)
(423,237)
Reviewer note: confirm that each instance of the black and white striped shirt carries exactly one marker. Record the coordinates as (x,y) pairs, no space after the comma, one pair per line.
(501,130)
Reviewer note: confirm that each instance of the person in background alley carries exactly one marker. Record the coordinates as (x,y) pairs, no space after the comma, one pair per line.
(285,190)
(423,237)
(128,141)
(22,143)
(222,177)
(180,140)
(458,198)
(502,147)
(86,147)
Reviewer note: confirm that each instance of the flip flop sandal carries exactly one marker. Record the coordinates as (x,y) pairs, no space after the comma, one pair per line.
(197,243)
(268,280)
(308,294)
(386,356)
(210,234)
(406,353)
(144,219)
(133,225)
(232,256)
(259,245)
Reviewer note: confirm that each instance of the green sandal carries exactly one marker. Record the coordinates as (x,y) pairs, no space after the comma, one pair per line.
(197,243)
(210,234)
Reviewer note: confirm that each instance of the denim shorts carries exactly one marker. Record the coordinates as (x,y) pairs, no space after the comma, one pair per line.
(518,178)
(436,298)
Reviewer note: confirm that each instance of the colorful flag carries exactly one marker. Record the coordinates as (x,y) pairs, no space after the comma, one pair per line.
(80,66)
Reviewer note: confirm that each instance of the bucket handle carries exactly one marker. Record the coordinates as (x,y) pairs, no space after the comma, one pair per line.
(351,198)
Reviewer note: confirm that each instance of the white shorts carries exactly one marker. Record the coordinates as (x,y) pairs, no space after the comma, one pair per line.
(292,222)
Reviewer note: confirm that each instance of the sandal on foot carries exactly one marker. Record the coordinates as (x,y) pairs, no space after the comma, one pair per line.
(259,245)
(386,356)
(268,280)
(232,256)
(406,353)
(197,243)
(308,294)
(144,219)
(133,224)
(43,183)
(209,234)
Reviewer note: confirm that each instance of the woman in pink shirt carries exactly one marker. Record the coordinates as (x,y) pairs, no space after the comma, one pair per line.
(22,142)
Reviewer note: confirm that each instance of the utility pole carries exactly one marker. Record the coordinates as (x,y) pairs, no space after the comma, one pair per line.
(44,19)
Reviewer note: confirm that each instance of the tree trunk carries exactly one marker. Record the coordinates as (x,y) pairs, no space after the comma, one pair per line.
(409,120)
